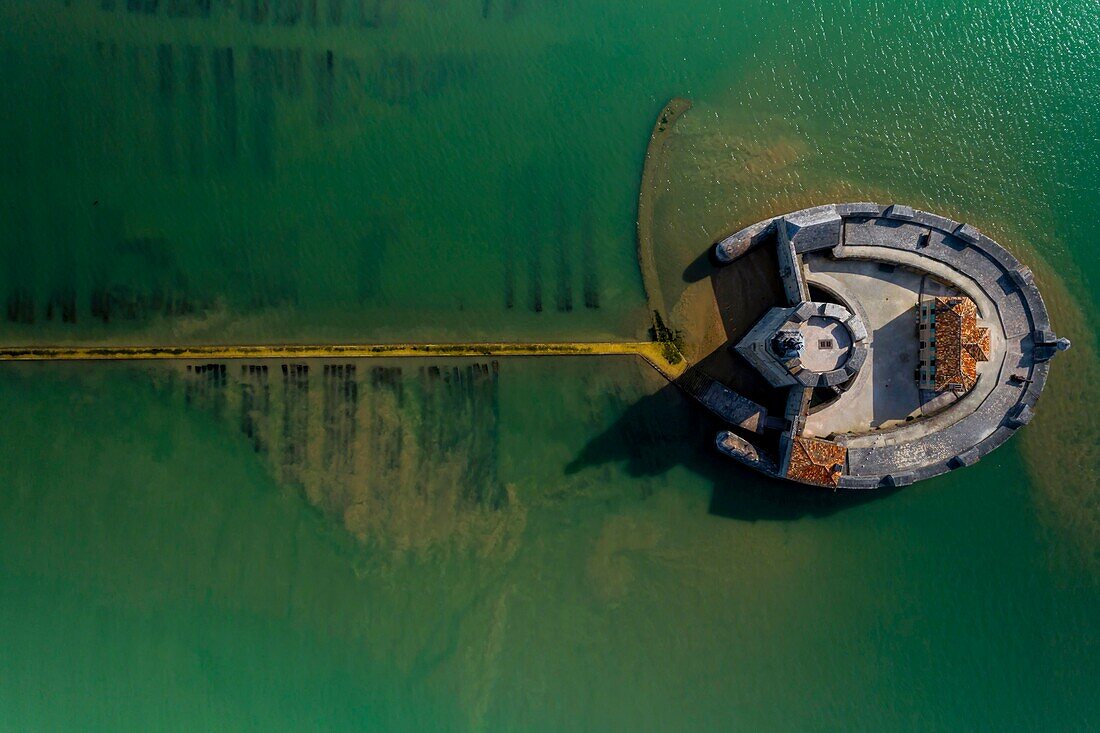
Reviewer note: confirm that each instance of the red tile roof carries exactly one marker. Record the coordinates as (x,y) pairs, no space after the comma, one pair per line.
(960,343)
(815,461)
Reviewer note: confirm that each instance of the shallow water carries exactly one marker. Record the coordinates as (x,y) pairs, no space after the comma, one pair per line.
(538,544)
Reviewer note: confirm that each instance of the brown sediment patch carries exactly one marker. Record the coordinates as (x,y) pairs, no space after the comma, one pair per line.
(751,162)
(483,634)
(403,457)
(218,535)
(610,570)
(696,313)
(651,176)
(1061,446)
(422,471)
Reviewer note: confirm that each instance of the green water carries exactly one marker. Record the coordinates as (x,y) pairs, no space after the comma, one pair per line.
(541,544)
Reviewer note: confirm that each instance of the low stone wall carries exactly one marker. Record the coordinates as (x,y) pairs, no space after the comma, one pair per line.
(790,265)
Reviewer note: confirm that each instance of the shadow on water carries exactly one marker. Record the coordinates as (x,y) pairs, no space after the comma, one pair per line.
(665,430)
(701,267)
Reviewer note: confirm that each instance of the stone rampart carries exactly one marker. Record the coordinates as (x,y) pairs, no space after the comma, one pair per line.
(912,453)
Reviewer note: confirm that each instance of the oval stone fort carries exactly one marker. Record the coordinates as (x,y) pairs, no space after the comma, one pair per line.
(897,345)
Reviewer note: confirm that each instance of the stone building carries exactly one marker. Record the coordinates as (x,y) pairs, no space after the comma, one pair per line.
(951,344)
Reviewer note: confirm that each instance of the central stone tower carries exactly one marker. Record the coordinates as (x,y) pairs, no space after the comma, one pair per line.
(810,344)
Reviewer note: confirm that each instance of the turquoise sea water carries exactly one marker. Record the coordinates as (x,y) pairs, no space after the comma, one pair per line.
(540,544)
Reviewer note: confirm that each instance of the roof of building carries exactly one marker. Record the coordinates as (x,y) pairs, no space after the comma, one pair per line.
(815,461)
(960,343)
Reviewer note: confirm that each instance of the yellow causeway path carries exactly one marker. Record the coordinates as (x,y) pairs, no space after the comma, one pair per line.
(650,351)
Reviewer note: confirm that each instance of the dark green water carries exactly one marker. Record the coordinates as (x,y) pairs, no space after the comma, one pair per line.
(545,544)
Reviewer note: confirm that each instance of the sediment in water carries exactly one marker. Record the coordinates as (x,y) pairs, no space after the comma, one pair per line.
(1061,451)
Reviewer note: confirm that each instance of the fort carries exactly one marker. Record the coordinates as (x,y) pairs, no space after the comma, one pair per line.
(893,345)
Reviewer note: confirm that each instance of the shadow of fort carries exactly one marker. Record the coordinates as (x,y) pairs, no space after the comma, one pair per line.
(666,429)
